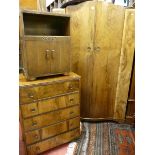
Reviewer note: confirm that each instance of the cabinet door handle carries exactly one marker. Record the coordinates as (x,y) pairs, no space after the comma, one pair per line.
(52,53)
(47,54)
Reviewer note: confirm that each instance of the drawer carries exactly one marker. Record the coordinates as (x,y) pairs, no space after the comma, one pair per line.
(69,136)
(53,130)
(28,94)
(53,142)
(48,105)
(31,137)
(50,118)
(69,113)
(29,110)
(73,99)
(58,89)
(52,104)
(41,146)
(41,120)
(74,123)
(58,103)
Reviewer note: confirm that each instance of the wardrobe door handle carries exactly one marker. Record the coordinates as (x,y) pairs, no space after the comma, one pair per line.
(89,49)
(97,49)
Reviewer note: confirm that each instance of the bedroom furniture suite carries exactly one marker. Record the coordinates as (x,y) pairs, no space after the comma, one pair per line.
(49,111)
(78,65)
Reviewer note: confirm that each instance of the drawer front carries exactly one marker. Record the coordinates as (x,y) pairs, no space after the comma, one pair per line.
(73,99)
(74,123)
(29,109)
(69,113)
(41,146)
(58,103)
(53,142)
(50,118)
(53,130)
(41,120)
(31,137)
(28,94)
(51,104)
(58,89)
(66,137)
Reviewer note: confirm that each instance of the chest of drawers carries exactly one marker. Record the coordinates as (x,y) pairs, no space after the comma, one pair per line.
(49,111)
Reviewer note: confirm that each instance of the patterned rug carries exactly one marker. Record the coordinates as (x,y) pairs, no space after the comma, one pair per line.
(104,139)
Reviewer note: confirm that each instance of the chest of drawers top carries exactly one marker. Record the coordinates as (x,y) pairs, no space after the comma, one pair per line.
(31,91)
(45,81)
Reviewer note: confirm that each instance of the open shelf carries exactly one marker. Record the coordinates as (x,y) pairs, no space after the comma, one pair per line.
(45,25)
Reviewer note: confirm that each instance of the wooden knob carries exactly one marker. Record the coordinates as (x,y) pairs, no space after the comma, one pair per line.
(71,112)
(33,110)
(71,87)
(37,149)
(36,136)
(30,95)
(34,123)
(71,100)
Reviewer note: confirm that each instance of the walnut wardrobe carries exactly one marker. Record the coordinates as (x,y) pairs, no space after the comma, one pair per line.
(102,49)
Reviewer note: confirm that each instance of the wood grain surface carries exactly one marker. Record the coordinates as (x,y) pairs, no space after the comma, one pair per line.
(126,62)
(82,38)
(96,40)
(107,44)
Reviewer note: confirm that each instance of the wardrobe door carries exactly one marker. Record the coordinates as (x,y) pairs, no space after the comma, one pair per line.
(109,23)
(126,64)
(82,37)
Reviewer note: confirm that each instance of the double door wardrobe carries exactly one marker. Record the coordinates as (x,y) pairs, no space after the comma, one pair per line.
(102,51)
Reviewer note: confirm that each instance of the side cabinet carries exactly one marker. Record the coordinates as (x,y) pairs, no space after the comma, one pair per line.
(46,44)
(46,55)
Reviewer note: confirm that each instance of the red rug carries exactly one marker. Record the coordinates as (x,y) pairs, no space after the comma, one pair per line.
(106,139)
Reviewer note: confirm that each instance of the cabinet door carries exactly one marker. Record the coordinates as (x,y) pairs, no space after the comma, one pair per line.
(82,37)
(60,54)
(107,47)
(37,56)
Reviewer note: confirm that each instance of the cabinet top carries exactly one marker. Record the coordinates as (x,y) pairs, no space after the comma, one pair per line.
(47,80)
(44,13)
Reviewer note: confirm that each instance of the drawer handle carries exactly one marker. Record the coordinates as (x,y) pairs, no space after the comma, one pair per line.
(34,124)
(72,99)
(71,112)
(37,148)
(72,136)
(71,87)
(30,95)
(33,110)
(36,136)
